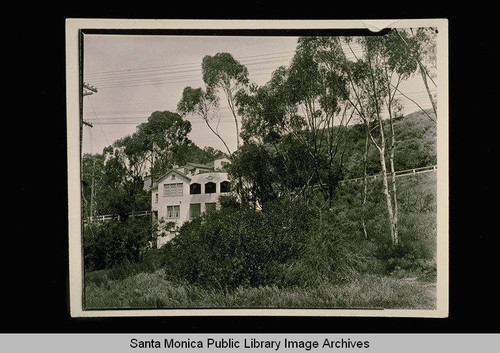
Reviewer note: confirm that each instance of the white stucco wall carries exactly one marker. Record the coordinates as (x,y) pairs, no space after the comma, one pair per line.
(186,199)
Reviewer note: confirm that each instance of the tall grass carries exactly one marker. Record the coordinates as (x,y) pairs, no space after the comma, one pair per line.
(153,291)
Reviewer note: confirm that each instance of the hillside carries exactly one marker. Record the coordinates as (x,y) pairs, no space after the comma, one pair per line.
(415,146)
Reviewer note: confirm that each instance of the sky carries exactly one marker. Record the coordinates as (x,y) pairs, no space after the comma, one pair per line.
(137,75)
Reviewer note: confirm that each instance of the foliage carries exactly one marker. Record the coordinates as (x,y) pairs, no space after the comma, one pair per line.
(194,154)
(329,263)
(220,72)
(223,71)
(114,243)
(283,245)
(108,185)
(152,259)
(416,251)
(254,164)
(298,145)
(153,290)
(159,137)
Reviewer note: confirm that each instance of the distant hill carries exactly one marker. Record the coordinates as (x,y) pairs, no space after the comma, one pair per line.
(415,146)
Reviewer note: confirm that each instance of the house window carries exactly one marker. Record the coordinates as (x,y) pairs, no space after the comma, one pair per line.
(210,206)
(173,177)
(195,188)
(172,189)
(156,198)
(225,186)
(210,188)
(173,211)
(194,210)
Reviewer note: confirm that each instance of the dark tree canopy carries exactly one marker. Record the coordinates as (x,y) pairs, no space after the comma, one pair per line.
(223,71)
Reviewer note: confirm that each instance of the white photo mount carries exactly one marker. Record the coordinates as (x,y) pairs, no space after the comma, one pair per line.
(74,44)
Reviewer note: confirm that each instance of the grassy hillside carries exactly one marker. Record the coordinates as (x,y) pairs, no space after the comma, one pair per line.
(415,146)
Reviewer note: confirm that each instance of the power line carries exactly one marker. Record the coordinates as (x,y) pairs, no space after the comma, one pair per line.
(136,120)
(97,120)
(420,97)
(128,81)
(156,72)
(175,65)
(160,79)
(123,77)
(137,77)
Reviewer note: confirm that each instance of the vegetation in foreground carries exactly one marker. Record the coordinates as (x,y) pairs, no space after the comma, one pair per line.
(152,290)
(319,260)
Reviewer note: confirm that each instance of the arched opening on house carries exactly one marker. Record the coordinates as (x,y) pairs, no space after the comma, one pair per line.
(210,188)
(194,189)
(225,186)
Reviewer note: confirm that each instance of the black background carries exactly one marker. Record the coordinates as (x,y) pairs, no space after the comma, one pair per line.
(34,256)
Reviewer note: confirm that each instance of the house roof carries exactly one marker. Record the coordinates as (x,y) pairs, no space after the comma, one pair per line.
(209,166)
(162,177)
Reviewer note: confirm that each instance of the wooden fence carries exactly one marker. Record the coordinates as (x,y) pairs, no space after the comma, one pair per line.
(108,217)
(399,173)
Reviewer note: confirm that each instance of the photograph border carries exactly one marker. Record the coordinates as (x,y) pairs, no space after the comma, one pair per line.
(74,29)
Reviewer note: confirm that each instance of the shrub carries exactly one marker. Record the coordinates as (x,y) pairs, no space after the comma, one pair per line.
(109,244)
(151,261)
(326,259)
(224,250)
(281,245)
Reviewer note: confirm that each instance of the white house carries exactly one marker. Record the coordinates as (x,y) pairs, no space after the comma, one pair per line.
(183,193)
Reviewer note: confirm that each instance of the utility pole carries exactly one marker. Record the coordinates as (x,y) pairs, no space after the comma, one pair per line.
(90,89)
(87,90)
(92,192)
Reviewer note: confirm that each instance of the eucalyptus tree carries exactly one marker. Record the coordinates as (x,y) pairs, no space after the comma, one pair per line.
(374,79)
(418,47)
(222,74)
(204,104)
(137,159)
(156,140)
(268,119)
(302,114)
(317,87)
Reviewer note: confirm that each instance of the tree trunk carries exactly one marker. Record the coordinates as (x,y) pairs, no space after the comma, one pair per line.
(391,162)
(230,102)
(365,184)
(424,78)
(394,188)
(387,193)
(383,163)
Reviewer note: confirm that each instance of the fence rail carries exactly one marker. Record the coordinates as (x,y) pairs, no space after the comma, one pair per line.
(108,217)
(399,173)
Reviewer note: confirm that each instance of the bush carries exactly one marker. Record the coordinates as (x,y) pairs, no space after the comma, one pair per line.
(327,258)
(281,245)
(151,261)
(112,243)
